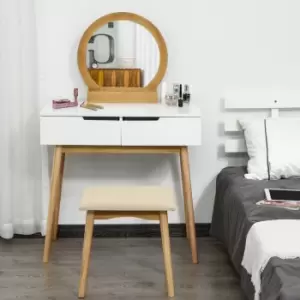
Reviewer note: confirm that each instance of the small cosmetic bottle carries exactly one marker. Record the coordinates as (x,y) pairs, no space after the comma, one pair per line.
(180,99)
(180,102)
(164,90)
(186,94)
(176,89)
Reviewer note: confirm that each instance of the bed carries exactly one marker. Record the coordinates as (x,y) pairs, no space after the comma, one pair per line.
(235,211)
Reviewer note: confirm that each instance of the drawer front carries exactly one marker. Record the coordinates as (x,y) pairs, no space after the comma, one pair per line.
(80,131)
(161,132)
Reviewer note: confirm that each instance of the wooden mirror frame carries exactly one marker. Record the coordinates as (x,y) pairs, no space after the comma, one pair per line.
(147,94)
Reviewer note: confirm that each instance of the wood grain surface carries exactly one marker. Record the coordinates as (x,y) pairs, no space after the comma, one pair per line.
(127,269)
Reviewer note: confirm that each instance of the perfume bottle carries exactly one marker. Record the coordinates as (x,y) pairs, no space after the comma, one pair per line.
(176,89)
(186,93)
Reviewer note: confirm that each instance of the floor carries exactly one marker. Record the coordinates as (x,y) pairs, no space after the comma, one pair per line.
(127,269)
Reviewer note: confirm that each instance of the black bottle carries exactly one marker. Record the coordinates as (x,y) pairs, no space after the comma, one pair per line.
(180,99)
(186,94)
(180,102)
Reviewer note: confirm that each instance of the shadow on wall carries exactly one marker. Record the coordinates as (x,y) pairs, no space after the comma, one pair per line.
(119,168)
(176,178)
(232,159)
(204,202)
(74,72)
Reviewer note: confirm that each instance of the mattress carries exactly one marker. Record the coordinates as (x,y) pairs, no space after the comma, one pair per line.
(235,212)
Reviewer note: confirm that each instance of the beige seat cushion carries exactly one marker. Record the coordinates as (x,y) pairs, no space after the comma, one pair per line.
(128,198)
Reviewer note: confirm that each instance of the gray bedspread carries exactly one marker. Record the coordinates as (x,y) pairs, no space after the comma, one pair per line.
(281,280)
(235,212)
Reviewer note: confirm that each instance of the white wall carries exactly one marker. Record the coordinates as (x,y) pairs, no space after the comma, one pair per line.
(213,45)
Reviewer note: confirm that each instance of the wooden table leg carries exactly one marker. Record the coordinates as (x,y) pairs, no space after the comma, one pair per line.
(188,200)
(57,159)
(58,198)
(184,196)
(165,237)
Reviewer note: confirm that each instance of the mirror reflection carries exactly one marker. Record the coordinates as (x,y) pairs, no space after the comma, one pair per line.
(122,54)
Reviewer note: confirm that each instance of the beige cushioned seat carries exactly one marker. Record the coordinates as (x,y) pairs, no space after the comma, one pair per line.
(128,198)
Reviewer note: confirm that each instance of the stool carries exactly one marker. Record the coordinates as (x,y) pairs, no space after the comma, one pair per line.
(151,203)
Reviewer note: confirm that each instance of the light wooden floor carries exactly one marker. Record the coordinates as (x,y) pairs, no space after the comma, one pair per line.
(127,269)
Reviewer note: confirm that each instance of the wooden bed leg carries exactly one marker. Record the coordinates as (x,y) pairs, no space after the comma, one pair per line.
(188,200)
(58,198)
(51,210)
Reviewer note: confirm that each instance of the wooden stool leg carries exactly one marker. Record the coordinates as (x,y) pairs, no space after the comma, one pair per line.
(88,236)
(58,198)
(164,228)
(189,207)
(54,188)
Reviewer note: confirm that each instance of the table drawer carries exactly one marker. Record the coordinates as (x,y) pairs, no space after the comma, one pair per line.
(80,131)
(161,131)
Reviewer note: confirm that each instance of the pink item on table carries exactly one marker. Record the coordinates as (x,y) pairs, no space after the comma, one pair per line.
(64,103)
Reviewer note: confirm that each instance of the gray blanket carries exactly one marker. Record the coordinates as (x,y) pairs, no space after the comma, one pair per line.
(235,212)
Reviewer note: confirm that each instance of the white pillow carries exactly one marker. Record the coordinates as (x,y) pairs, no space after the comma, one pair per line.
(273,146)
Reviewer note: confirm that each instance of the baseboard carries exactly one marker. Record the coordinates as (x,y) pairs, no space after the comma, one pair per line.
(131,230)
(127,230)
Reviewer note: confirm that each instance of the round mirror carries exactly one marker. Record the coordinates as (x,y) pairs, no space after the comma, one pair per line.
(122,54)
(122,58)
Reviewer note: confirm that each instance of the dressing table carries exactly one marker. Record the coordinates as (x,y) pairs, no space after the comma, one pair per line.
(131,121)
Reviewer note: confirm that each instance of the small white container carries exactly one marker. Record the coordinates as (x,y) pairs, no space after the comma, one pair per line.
(163,93)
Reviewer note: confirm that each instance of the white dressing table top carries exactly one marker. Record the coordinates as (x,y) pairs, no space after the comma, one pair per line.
(129,110)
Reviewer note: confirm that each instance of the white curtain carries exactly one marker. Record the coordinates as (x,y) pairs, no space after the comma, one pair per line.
(20,158)
(147,53)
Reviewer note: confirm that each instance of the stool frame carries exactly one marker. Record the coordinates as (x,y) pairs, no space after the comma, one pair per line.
(91,215)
